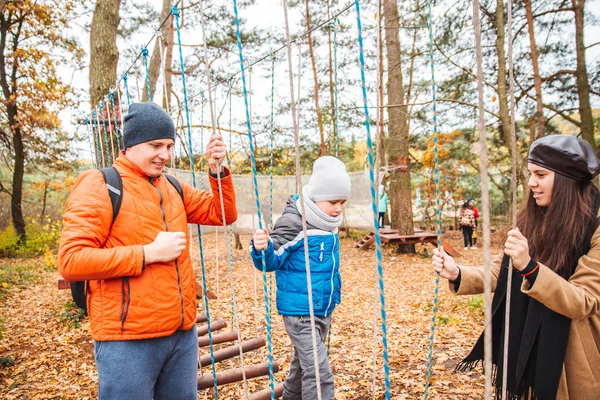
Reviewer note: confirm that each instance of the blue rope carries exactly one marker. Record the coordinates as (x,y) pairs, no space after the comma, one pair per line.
(374,206)
(437,202)
(96,140)
(271,166)
(108,155)
(175,13)
(145,54)
(112,102)
(127,90)
(256,196)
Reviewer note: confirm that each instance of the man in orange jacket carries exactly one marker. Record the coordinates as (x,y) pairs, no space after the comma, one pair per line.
(141,297)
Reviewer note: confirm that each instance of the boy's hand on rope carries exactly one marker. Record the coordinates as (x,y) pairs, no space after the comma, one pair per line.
(215,153)
(261,239)
(166,247)
(444,264)
(517,248)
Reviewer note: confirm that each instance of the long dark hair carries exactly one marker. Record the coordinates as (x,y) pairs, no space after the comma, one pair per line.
(560,233)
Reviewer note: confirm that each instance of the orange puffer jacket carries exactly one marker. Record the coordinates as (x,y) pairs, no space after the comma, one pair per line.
(128,300)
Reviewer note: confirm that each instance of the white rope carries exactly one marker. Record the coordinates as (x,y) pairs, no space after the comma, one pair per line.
(299,184)
(137,86)
(298,189)
(485,209)
(92,144)
(514,195)
(110,130)
(376,305)
(100,140)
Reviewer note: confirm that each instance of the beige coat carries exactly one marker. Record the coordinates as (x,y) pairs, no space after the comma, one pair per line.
(578,299)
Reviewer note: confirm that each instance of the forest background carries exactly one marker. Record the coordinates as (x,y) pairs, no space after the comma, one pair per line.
(60,59)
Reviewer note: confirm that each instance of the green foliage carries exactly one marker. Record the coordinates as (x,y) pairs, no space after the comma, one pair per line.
(20,273)
(40,240)
(356,234)
(72,316)
(475,304)
(445,320)
(9,241)
(6,362)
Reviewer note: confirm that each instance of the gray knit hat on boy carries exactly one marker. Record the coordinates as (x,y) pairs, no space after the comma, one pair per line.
(146,121)
(329,180)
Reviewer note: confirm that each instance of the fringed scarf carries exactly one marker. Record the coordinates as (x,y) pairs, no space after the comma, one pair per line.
(315,216)
(537,343)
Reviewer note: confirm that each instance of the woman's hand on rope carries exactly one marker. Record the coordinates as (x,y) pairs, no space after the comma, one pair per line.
(215,153)
(444,264)
(517,248)
(261,239)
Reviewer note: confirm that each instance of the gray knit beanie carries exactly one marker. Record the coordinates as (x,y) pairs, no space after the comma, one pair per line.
(146,121)
(329,180)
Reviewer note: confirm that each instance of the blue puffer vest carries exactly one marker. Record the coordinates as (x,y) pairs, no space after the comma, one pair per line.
(285,255)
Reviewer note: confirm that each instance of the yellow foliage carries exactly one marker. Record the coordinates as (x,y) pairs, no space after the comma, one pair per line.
(428,156)
(361,150)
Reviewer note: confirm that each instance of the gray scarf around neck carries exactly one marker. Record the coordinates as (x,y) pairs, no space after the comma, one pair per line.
(315,216)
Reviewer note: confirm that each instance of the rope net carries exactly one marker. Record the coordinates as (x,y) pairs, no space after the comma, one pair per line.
(358,207)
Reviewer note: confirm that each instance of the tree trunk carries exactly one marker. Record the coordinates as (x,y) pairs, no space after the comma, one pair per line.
(537,80)
(503,96)
(19,167)
(380,112)
(583,85)
(323,148)
(161,43)
(44,203)
(104,54)
(398,137)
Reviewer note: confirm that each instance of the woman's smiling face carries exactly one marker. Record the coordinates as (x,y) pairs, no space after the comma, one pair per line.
(541,182)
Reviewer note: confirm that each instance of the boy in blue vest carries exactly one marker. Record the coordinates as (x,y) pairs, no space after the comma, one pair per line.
(324,199)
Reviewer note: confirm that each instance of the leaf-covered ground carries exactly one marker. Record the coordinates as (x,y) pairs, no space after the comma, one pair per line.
(53,351)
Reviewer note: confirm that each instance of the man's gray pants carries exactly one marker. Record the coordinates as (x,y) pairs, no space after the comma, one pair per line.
(301,382)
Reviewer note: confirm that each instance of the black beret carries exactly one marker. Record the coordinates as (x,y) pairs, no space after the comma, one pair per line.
(566,155)
(145,122)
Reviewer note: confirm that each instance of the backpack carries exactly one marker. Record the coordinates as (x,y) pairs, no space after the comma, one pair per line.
(114,184)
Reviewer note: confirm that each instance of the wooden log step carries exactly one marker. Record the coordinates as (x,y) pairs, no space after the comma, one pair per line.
(215,326)
(265,394)
(235,375)
(217,338)
(62,284)
(232,351)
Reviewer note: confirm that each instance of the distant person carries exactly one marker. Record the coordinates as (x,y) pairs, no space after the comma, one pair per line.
(382,206)
(554,330)
(324,199)
(141,296)
(476,215)
(467,224)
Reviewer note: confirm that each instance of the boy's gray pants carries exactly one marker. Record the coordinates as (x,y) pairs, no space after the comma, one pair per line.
(301,384)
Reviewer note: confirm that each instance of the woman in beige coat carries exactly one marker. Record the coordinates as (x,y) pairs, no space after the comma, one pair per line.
(554,333)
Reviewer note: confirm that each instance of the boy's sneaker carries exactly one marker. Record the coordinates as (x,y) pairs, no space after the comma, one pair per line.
(473,247)
(466,248)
